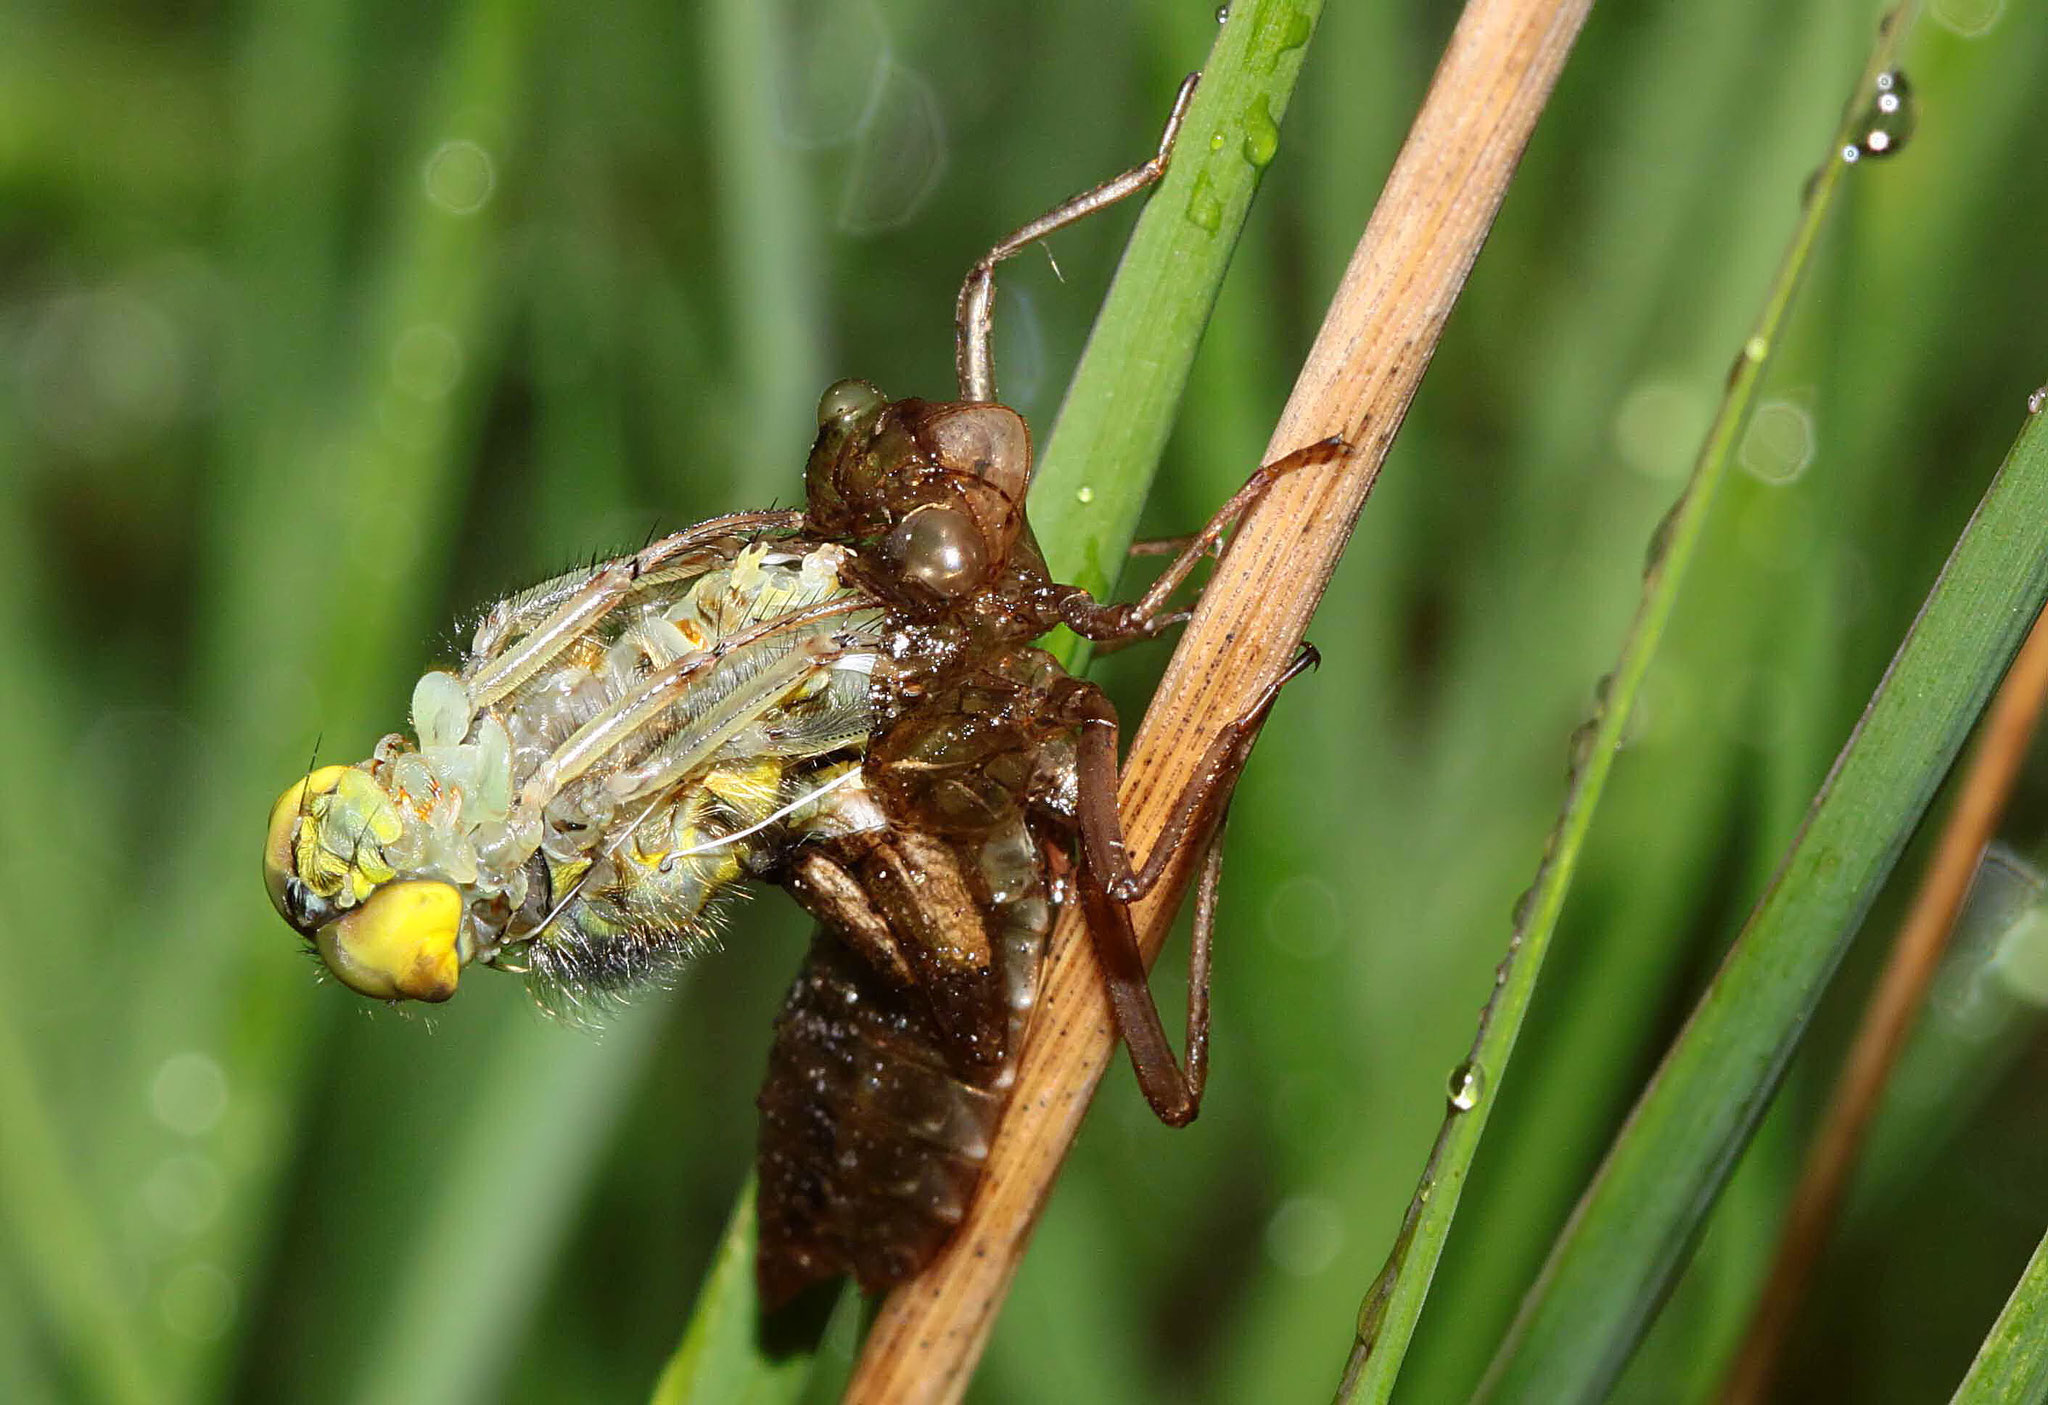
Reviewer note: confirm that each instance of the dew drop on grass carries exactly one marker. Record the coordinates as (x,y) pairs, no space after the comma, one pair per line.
(1466,1087)
(1886,124)
(2038,401)
(1660,539)
(1205,207)
(1583,737)
(1261,133)
(1295,31)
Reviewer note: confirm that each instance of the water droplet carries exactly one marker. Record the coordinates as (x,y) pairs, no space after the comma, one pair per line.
(1217,140)
(1295,31)
(459,176)
(1261,133)
(1886,125)
(189,1093)
(1583,737)
(1372,1313)
(2037,401)
(1778,443)
(1205,207)
(1467,1085)
(1660,538)
(1223,14)
(1084,495)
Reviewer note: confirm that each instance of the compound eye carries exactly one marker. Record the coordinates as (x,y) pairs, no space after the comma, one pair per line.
(849,399)
(939,548)
(986,441)
(305,909)
(280,856)
(400,945)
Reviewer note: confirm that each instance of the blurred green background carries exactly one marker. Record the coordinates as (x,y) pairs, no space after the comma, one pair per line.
(322,325)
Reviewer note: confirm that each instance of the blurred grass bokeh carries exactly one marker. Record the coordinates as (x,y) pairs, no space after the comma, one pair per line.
(323,325)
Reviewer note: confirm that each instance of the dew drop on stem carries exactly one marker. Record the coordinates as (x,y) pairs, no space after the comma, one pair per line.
(1886,124)
(1466,1086)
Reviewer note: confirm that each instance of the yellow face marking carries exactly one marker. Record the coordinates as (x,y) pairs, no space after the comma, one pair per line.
(400,945)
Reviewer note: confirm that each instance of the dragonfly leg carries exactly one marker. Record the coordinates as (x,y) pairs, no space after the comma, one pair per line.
(1199,803)
(1148,616)
(1109,882)
(1162,546)
(1174,1094)
(974,315)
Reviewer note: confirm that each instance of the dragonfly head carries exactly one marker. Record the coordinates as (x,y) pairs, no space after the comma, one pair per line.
(382,935)
(401,869)
(933,490)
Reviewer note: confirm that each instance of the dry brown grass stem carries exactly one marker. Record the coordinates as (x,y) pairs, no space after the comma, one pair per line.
(1901,989)
(1375,343)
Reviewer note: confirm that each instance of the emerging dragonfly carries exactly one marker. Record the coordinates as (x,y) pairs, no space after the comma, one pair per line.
(845,701)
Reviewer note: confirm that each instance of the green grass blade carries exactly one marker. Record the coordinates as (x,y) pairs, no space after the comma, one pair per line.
(771,263)
(299,587)
(1393,1304)
(57,1241)
(1096,471)
(2012,1366)
(726,1354)
(1112,427)
(1631,1234)
(478,1263)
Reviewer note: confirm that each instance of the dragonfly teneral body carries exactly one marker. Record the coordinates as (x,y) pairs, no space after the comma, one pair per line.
(846,701)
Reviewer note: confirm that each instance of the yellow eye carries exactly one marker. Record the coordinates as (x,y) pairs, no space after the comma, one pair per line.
(279,845)
(400,945)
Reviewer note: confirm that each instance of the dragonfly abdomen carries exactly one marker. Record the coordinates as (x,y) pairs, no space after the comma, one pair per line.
(892,1058)
(871,1145)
